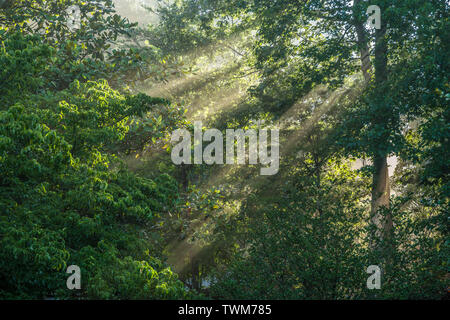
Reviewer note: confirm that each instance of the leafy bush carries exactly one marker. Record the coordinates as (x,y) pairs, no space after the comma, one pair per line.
(65,198)
(57,210)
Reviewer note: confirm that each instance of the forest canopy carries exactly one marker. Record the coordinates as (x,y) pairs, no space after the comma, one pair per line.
(86,175)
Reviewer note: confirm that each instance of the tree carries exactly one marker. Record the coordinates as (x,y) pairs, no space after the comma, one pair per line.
(320,39)
(65,197)
(399,107)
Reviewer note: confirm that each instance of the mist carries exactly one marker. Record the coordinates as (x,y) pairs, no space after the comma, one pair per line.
(135,10)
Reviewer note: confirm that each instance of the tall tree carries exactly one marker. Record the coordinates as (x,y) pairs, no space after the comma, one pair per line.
(324,42)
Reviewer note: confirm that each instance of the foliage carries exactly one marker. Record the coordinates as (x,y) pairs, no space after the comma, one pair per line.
(58,210)
(65,197)
(72,125)
(104,46)
(400,109)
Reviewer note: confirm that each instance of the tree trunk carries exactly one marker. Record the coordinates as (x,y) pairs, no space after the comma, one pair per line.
(363,46)
(184,176)
(195,274)
(380,185)
(380,179)
(380,197)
